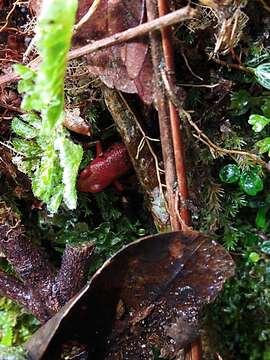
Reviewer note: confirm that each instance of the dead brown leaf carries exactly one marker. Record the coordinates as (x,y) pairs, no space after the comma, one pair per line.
(161,282)
(126,67)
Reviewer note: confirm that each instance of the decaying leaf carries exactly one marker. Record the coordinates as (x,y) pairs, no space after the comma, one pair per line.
(126,67)
(74,122)
(146,297)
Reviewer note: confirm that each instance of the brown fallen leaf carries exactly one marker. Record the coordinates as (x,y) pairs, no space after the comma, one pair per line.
(126,67)
(161,282)
(74,122)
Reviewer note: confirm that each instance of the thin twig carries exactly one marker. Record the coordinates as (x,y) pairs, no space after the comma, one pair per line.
(140,30)
(232,66)
(189,68)
(146,139)
(87,16)
(178,148)
(266,7)
(163,114)
(11,107)
(9,15)
(199,86)
(202,136)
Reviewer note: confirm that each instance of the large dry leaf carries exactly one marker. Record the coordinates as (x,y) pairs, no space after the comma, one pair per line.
(126,67)
(148,296)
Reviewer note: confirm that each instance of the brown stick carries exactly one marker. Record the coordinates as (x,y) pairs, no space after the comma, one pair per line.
(140,30)
(39,288)
(73,272)
(26,259)
(164,122)
(13,289)
(174,119)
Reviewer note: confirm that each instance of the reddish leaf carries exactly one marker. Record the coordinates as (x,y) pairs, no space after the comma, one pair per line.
(147,296)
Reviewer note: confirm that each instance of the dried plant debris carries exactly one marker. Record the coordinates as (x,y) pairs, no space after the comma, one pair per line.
(126,67)
(146,298)
(226,18)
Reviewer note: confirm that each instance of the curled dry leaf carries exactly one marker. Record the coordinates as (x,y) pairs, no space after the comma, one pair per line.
(126,67)
(148,296)
(74,122)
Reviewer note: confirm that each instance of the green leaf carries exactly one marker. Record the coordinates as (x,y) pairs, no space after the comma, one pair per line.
(70,159)
(53,38)
(265,247)
(254,257)
(56,199)
(262,75)
(261,221)
(250,182)
(258,122)
(29,148)
(264,145)
(22,129)
(47,175)
(266,108)
(55,158)
(229,173)
(25,72)
(240,102)
(12,353)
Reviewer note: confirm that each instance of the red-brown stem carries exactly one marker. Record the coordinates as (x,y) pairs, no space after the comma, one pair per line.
(163,8)
(194,352)
(164,122)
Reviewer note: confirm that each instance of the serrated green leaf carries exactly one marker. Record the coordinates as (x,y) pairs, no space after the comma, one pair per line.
(29,148)
(56,199)
(47,175)
(258,121)
(25,72)
(70,159)
(53,38)
(22,129)
(55,170)
(254,257)
(264,145)
(262,75)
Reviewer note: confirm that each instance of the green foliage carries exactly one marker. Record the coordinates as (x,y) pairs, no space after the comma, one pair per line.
(264,145)
(114,230)
(262,75)
(15,324)
(50,159)
(15,353)
(244,306)
(229,173)
(240,102)
(250,180)
(258,121)
(44,89)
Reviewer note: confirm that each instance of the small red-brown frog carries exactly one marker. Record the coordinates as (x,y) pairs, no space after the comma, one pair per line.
(105,169)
